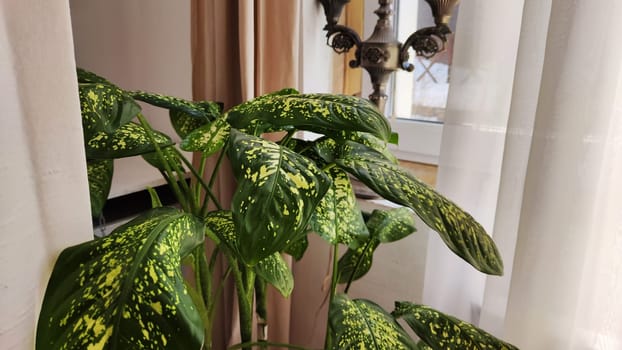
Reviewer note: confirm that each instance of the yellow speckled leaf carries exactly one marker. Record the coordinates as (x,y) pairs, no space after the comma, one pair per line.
(201,109)
(129,140)
(278,190)
(443,332)
(275,271)
(105,108)
(460,232)
(362,324)
(321,113)
(126,290)
(100,178)
(209,138)
(338,218)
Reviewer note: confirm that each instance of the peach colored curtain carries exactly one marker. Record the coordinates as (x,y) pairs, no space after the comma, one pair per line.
(242,49)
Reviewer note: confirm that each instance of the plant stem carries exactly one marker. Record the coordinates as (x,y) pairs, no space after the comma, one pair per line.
(174,185)
(287,137)
(199,179)
(211,182)
(197,185)
(244,304)
(267,343)
(333,290)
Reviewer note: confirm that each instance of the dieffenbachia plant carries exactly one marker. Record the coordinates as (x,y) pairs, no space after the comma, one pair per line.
(127,290)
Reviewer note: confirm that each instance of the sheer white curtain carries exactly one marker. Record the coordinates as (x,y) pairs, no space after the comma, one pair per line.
(532,146)
(44,203)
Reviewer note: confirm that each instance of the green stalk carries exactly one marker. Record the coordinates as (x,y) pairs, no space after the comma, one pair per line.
(211,182)
(181,178)
(267,343)
(167,167)
(244,304)
(199,179)
(197,185)
(287,137)
(333,289)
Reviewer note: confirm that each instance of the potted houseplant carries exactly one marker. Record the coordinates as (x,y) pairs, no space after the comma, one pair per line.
(126,290)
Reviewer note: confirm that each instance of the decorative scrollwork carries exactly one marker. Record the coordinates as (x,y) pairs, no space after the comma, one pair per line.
(342,39)
(376,55)
(426,42)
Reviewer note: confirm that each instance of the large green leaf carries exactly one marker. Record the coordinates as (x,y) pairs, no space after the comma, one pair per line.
(297,248)
(460,232)
(313,112)
(391,225)
(184,123)
(384,226)
(275,271)
(84,76)
(278,190)
(202,109)
(208,138)
(129,140)
(444,332)
(105,108)
(356,262)
(170,155)
(362,324)
(100,178)
(126,290)
(337,217)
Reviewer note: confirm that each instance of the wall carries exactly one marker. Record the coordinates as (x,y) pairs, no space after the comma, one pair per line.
(138,45)
(44,204)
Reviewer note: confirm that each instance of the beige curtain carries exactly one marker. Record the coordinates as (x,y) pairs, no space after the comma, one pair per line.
(242,49)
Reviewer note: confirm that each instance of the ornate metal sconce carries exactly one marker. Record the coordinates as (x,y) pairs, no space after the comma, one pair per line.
(382,54)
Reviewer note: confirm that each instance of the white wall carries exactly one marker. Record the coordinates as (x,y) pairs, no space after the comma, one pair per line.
(44,204)
(138,45)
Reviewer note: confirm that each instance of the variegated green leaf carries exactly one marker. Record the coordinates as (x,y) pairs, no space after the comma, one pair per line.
(184,123)
(372,142)
(129,140)
(100,177)
(362,324)
(460,232)
(278,190)
(126,290)
(326,148)
(220,223)
(391,225)
(170,155)
(208,138)
(337,217)
(105,108)
(356,262)
(203,109)
(275,271)
(297,248)
(85,76)
(444,332)
(313,112)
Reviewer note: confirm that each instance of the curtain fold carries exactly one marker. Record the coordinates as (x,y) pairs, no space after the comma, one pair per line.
(532,148)
(240,51)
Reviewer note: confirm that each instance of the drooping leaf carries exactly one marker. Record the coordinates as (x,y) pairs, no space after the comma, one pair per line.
(85,76)
(391,225)
(129,140)
(297,248)
(220,224)
(337,217)
(443,332)
(202,109)
(356,262)
(171,157)
(126,290)
(312,112)
(278,190)
(460,232)
(184,123)
(362,324)
(209,138)
(326,148)
(372,142)
(100,178)
(275,271)
(105,108)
